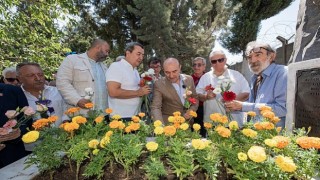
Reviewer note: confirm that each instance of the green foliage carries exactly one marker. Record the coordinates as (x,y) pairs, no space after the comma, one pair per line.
(96,166)
(154,168)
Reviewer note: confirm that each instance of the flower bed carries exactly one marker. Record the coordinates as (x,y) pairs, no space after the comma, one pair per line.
(95,150)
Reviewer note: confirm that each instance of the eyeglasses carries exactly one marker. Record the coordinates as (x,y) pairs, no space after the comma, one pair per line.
(12,79)
(256,50)
(214,61)
(197,65)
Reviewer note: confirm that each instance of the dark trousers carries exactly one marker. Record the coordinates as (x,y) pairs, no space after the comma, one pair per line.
(13,151)
(199,120)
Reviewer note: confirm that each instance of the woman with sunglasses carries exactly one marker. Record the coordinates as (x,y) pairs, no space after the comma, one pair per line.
(10,76)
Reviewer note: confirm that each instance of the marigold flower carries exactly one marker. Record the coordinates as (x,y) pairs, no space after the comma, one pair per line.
(177,113)
(198,144)
(99,119)
(114,124)
(108,110)
(242,156)
(270,142)
(196,127)
(180,119)
(95,152)
(88,105)
(171,119)
(282,141)
(184,126)
(135,126)
(104,141)
(69,127)
(109,133)
(286,164)
(249,133)
(223,132)
(152,146)
(257,154)
(158,130)
(308,142)
(135,119)
(251,113)
(157,123)
(142,114)
(122,125)
(207,125)
(116,117)
(93,143)
(40,123)
(233,125)
(79,119)
(268,114)
(30,136)
(127,129)
(176,125)
(169,130)
(278,129)
(275,120)
(193,113)
(216,117)
(72,110)
(53,119)
(263,108)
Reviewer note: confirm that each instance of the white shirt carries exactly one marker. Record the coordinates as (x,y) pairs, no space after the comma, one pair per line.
(122,72)
(214,105)
(58,104)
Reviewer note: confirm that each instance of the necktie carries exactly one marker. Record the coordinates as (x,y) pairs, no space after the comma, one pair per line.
(256,86)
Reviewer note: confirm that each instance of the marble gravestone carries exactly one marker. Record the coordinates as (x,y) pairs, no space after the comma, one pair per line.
(303,96)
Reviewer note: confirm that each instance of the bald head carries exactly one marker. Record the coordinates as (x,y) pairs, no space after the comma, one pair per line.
(99,50)
(171,61)
(172,68)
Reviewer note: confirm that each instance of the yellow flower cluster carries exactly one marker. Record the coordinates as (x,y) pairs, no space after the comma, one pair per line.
(270,142)
(157,123)
(106,139)
(152,146)
(93,143)
(193,113)
(286,164)
(249,133)
(184,126)
(79,119)
(257,154)
(116,117)
(169,130)
(196,127)
(219,118)
(199,143)
(30,136)
(242,156)
(308,142)
(222,131)
(282,141)
(233,125)
(158,130)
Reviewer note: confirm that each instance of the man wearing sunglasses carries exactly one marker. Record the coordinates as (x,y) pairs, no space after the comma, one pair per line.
(211,100)
(268,84)
(10,76)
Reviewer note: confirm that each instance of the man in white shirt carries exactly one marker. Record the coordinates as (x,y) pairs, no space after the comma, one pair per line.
(212,101)
(124,93)
(33,85)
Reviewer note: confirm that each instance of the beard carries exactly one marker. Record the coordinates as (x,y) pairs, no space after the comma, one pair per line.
(258,67)
(101,56)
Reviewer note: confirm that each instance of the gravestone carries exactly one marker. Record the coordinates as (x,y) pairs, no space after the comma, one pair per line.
(303,96)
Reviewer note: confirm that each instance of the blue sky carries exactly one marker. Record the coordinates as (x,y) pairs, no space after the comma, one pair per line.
(282,24)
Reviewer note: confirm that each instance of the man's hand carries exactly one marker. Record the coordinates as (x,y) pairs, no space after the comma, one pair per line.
(81,103)
(210,95)
(144,90)
(233,105)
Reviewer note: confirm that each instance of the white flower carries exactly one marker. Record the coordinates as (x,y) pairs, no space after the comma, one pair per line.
(87,97)
(217,90)
(151,71)
(41,108)
(226,80)
(184,96)
(88,91)
(143,75)
(149,83)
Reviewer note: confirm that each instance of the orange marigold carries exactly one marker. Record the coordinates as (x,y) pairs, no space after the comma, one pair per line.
(127,129)
(216,117)
(88,105)
(53,119)
(69,127)
(193,113)
(134,126)
(108,110)
(263,108)
(268,114)
(275,120)
(180,119)
(99,119)
(72,110)
(282,141)
(224,119)
(142,114)
(176,125)
(207,125)
(135,119)
(177,113)
(109,133)
(169,130)
(79,119)
(40,123)
(121,125)
(308,142)
(114,124)
(222,131)
(267,125)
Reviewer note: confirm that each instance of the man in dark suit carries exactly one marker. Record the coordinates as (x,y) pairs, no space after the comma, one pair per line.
(12,97)
(169,92)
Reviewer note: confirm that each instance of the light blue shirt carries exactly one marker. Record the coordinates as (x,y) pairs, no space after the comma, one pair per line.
(272,92)
(100,88)
(180,89)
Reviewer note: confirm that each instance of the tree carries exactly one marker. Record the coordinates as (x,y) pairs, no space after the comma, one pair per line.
(246,22)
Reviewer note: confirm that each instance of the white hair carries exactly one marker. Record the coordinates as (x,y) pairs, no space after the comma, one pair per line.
(215,52)
(200,58)
(8,69)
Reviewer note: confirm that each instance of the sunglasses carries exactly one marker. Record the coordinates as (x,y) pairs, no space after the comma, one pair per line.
(12,79)
(214,61)
(256,50)
(197,65)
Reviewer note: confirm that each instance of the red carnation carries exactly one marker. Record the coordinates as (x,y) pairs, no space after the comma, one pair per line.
(209,88)
(229,96)
(192,100)
(147,78)
(142,83)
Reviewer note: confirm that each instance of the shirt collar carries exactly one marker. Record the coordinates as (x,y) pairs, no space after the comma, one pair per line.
(126,63)
(268,70)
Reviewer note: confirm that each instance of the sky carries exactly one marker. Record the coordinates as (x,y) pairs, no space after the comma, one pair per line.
(282,24)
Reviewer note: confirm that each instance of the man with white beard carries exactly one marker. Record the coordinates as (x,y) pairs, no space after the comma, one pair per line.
(268,84)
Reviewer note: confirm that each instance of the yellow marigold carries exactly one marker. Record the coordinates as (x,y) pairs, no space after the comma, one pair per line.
(62,125)
(158,130)
(152,146)
(224,132)
(216,117)
(196,127)
(40,123)
(249,133)
(286,164)
(114,124)
(142,114)
(69,127)
(157,123)
(282,141)
(109,133)
(207,125)
(30,136)
(268,114)
(169,130)
(198,144)
(53,119)
(88,105)
(242,156)
(275,120)
(116,117)
(270,142)
(135,119)
(251,113)
(104,141)
(122,125)
(127,129)
(72,110)
(264,108)
(177,113)
(99,119)
(193,113)
(79,119)
(278,129)
(180,119)
(184,126)
(233,125)
(171,119)
(257,154)
(93,143)
(224,120)
(108,110)
(95,152)
(135,126)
